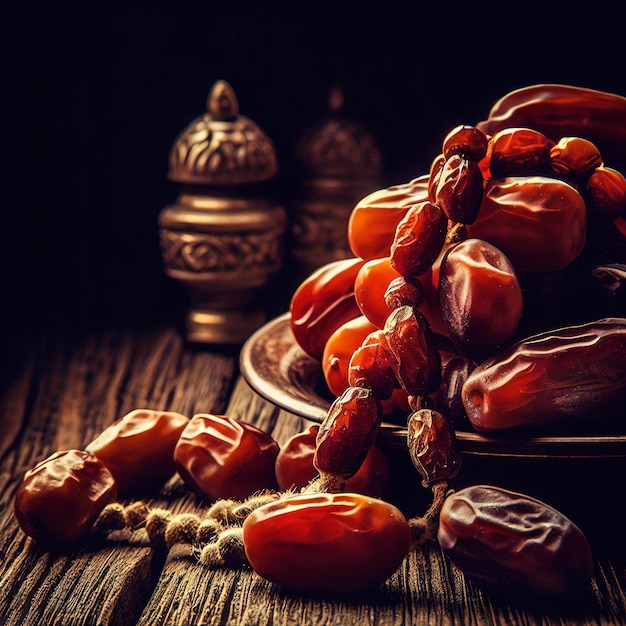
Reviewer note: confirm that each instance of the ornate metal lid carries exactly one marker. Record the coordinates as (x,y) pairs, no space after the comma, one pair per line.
(222,147)
(338,147)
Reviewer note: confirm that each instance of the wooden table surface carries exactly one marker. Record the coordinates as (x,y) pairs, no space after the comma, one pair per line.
(60,389)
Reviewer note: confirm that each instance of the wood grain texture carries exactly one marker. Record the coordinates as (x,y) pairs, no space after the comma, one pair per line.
(63,390)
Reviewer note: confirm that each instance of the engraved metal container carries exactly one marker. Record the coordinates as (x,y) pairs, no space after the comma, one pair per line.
(223,237)
(337,163)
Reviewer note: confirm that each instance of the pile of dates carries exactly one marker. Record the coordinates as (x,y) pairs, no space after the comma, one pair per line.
(510,255)
(487,294)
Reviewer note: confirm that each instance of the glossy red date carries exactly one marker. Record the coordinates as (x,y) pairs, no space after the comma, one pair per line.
(322,303)
(329,543)
(221,457)
(61,497)
(373,221)
(539,223)
(575,373)
(138,448)
(480,297)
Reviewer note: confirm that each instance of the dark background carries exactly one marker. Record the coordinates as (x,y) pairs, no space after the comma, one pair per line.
(98,96)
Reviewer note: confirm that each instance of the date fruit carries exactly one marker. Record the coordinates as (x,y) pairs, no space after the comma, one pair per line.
(373,221)
(574,158)
(513,542)
(370,367)
(335,543)
(339,350)
(61,497)
(138,448)
(459,189)
(419,239)
(221,457)
(465,140)
(413,352)
(322,303)
(564,110)
(576,373)
(519,152)
(449,402)
(347,432)
(540,223)
(295,469)
(480,297)
(432,446)
(607,188)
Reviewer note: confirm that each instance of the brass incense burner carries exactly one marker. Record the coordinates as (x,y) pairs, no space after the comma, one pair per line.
(223,237)
(337,162)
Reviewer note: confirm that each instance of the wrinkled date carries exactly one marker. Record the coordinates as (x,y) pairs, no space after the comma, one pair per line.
(404,291)
(373,220)
(432,446)
(60,498)
(449,402)
(221,457)
(480,297)
(513,542)
(330,543)
(540,223)
(322,303)
(577,372)
(419,239)
(412,350)
(370,367)
(574,158)
(347,432)
(459,188)
(138,448)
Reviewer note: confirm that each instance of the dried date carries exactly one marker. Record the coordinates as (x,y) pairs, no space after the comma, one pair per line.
(60,498)
(519,152)
(513,542)
(465,140)
(347,432)
(412,349)
(419,239)
(575,373)
(139,447)
(607,188)
(459,189)
(432,446)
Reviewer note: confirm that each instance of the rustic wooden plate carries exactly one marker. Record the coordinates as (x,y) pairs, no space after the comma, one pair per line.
(277,368)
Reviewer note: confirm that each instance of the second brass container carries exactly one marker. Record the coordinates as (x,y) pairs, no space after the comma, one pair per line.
(337,162)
